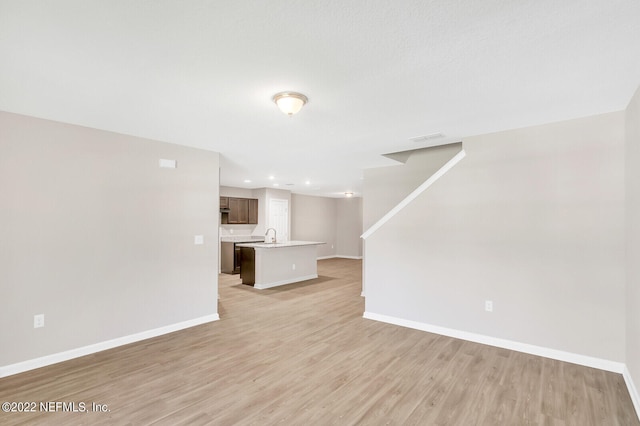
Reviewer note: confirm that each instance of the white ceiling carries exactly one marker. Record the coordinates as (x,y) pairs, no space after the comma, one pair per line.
(377,72)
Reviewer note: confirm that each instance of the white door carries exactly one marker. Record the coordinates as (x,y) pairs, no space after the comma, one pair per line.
(279,218)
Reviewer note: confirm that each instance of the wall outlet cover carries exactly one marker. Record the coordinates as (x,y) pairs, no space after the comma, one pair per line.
(38,321)
(488,305)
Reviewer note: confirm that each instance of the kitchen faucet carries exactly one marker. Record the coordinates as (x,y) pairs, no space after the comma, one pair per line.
(274,235)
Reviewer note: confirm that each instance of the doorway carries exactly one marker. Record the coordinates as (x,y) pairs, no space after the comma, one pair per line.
(279,218)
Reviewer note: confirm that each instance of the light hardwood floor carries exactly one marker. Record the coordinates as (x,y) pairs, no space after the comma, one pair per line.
(303,355)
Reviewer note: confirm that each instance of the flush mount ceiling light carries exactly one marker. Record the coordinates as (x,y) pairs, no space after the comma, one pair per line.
(290,102)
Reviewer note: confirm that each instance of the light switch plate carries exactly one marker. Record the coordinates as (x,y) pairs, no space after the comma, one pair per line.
(168,164)
(198,239)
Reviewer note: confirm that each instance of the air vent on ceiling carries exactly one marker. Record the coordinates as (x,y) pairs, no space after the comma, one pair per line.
(426,137)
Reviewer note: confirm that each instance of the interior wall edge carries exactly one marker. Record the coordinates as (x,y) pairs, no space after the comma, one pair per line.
(633,391)
(413,195)
(32,364)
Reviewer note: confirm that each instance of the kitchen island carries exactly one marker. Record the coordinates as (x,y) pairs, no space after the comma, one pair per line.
(230,252)
(266,265)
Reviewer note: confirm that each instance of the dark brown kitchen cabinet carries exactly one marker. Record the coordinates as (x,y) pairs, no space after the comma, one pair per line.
(248,265)
(239,211)
(253,211)
(224,202)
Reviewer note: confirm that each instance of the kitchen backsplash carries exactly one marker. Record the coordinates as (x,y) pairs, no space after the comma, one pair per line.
(232,230)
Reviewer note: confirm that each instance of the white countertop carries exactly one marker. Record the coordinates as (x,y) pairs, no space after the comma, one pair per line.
(241,239)
(281,245)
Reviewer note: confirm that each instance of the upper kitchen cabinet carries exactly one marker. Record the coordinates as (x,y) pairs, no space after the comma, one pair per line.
(224,202)
(239,211)
(253,211)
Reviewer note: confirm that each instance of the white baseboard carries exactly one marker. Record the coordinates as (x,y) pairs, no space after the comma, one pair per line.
(602,364)
(337,256)
(20,367)
(587,361)
(283,282)
(633,391)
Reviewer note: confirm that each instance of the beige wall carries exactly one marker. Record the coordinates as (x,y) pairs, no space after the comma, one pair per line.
(532,219)
(98,238)
(385,187)
(349,227)
(314,219)
(336,221)
(230,191)
(632,167)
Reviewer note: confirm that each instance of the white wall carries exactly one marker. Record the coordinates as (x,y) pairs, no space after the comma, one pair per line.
(632,168)
(98,238)
(532,219)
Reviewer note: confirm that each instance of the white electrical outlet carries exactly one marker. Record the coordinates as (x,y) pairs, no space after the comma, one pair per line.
(38,321)
(488,305)
(198,239)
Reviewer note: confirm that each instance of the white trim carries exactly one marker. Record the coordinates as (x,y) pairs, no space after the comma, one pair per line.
(32,364)
(338,256)
(283,282)
(602,364)
(633,391)
(419,190)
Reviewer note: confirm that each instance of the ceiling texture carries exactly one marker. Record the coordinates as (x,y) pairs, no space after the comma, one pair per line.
(377,73)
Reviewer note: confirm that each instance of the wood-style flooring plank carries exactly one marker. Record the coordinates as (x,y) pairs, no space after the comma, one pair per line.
(302,354)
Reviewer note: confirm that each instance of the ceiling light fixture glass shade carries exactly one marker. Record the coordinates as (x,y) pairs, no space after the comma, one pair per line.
(290,102)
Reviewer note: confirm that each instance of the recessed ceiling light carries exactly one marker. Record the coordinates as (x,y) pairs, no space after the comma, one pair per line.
(272,177)
(276,184)
(307,182)
(348,194)
(247,181)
